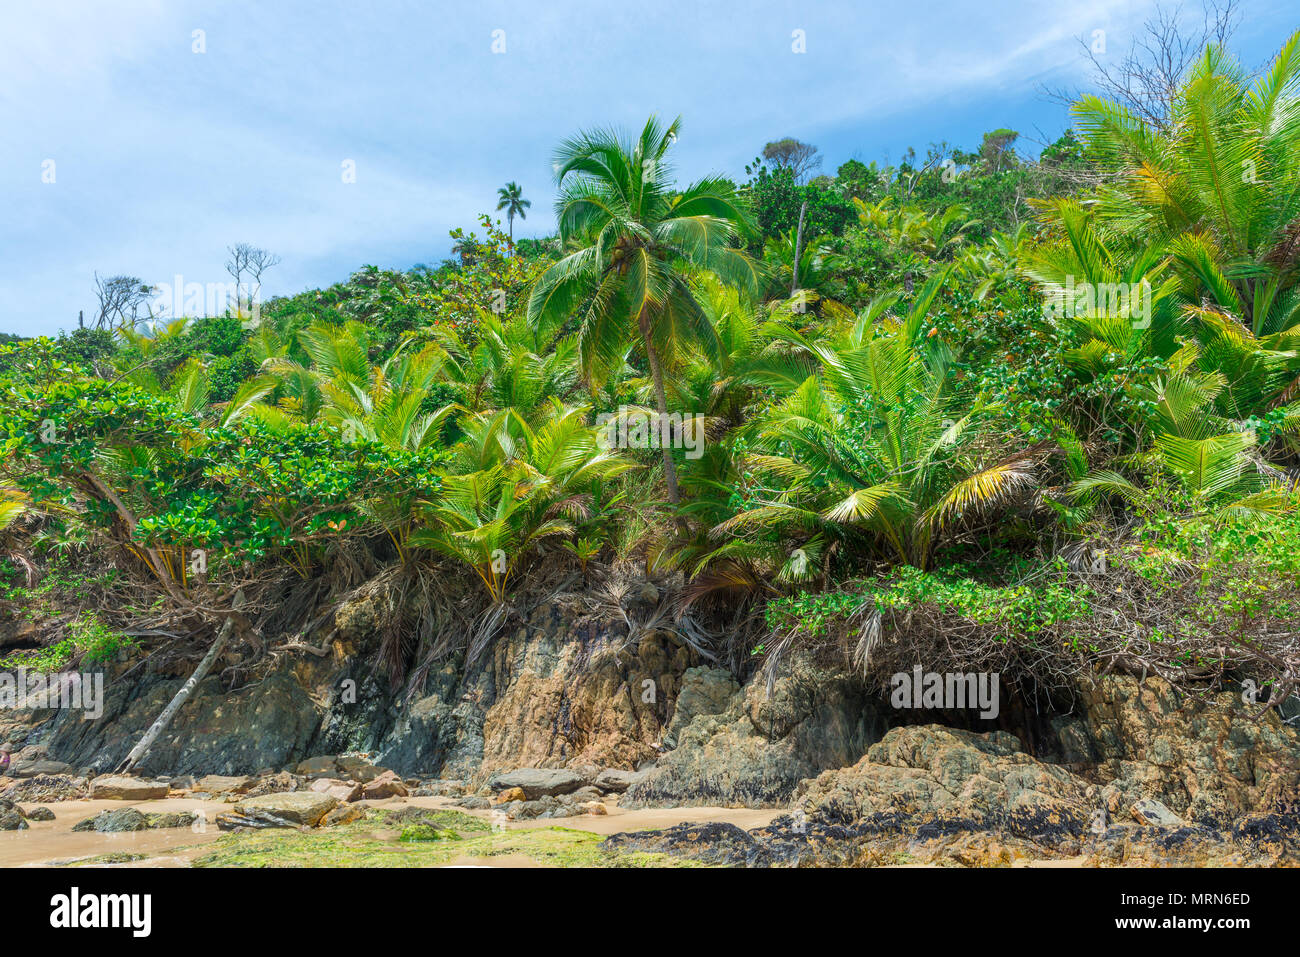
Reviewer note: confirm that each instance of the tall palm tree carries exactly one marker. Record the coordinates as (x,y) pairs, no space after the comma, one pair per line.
(631,233)
(510,197)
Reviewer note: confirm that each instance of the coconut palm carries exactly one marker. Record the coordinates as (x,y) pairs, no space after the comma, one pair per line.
(1227,169)
(882,443)
(1211,459)
(506,364)
(510,197)
(517,486)
(631,233)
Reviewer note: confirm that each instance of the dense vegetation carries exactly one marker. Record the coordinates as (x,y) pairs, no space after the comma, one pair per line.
(1035,415)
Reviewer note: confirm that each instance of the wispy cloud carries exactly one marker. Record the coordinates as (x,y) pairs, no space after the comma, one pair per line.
(164,156)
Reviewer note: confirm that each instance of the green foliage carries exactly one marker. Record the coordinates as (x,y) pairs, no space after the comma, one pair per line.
(944,380)
(1020,611)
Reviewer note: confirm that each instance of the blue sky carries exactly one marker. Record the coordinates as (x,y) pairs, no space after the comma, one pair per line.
(164,156)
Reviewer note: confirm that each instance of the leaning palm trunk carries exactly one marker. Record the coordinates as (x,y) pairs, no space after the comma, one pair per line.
(139,752)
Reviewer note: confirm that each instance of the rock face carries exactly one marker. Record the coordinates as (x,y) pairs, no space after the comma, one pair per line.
(1206,759)
(554,691)
(756,749)
(561,711)
(268,725)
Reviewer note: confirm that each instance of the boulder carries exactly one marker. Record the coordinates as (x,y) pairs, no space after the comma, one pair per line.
(276,782)
(122,788)
(342,790)
(40,813)
(439,788)
(387,785)
(511,794)
(538,782)
(29,769)
(12,821)
(171,819)
(325,766)
(714,842)
(927,779)
(344,814)
(614,781)
(224,784)
(303,808)
(358,769)
(115,822)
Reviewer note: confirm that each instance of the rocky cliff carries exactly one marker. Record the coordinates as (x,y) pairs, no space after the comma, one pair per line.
(1204,775)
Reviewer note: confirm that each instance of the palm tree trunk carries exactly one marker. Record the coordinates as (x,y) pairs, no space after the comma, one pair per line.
(798,249)
(661,400)
(141,750)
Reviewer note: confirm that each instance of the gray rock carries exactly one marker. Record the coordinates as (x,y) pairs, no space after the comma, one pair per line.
(704,691)
(12,821)
(39,814)
(538,782)
(755,753)
(614,781)
(114,822)
(29,769)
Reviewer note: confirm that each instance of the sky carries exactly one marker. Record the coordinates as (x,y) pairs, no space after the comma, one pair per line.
(143,137)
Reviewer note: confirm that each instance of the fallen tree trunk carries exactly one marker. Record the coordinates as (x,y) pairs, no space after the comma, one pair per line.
(218,645)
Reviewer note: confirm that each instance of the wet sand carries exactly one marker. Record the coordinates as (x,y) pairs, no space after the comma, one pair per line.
(48,843)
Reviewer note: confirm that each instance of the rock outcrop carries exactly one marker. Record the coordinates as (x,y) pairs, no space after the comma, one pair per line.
(753,750)
(562,714)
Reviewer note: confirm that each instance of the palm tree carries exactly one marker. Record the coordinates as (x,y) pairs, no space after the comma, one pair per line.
(510,197)
(1225,170)
(517,486)
(1211,459)
(882,441)
(631,232)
